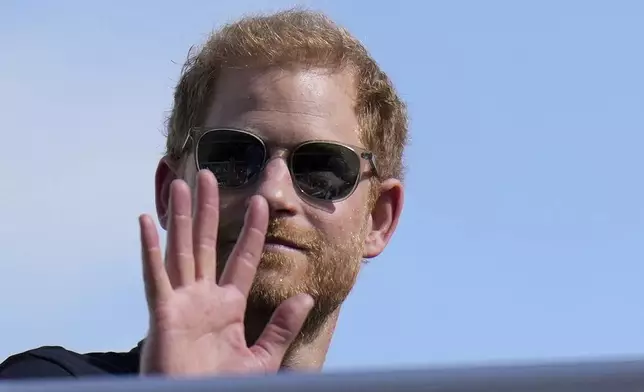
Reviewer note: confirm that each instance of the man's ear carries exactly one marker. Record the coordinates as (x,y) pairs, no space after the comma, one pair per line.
(167,171)
(384,217)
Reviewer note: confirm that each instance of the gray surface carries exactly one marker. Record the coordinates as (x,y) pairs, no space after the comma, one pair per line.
(616,376)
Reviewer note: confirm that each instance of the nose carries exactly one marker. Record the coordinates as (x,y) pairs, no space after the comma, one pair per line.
(276,186)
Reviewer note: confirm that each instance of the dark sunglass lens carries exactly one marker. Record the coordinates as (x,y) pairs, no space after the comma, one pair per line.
(325,171)
(234,157)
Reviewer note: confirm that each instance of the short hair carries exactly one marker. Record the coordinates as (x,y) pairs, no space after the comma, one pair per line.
(293,37)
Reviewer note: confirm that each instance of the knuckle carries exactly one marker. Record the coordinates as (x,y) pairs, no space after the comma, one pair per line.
(210,237)
(256,233)
(210,208)
(183,254)
(279,333)
(204,247)
(248,257)
(153,249)
(181,220)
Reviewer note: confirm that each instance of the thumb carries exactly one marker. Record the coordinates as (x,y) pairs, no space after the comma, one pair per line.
(281,330)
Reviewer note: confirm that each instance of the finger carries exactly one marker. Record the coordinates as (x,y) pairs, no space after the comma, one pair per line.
(281,330)
(206,222)
(179,253)
(242,264)
(155,278)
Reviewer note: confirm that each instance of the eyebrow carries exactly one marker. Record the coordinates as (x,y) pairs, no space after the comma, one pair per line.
(279,132)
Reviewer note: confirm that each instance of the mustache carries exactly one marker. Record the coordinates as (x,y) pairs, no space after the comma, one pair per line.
(278,230)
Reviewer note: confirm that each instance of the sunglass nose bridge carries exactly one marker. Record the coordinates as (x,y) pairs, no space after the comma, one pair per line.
(277,153)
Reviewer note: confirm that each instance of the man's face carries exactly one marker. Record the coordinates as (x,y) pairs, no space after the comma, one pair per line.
(285,108)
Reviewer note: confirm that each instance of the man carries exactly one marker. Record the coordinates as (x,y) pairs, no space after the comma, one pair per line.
(305,136)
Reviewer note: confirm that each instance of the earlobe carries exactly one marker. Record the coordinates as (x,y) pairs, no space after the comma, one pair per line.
(165,174)
(384,217)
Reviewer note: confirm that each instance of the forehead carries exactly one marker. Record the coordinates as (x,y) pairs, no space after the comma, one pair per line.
(286,106)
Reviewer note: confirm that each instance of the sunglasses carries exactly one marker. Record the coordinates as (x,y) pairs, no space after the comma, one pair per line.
(322,170)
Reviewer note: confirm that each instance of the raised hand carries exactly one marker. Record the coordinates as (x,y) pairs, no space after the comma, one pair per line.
(196,323)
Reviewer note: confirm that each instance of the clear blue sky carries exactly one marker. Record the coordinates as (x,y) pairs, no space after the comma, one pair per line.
(522,236)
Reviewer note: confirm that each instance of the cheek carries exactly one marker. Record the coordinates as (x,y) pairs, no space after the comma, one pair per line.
(347,221)
(189,170)
(232,209)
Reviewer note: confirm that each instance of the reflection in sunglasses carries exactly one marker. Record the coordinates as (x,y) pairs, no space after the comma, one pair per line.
(321,169)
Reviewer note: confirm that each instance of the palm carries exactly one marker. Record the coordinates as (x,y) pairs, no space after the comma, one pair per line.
(196,323)
(203,319)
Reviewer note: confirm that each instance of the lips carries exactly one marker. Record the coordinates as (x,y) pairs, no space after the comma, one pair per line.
(275,241)
(279,241)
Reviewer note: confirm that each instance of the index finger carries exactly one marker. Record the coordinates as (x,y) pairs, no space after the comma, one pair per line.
(241,266)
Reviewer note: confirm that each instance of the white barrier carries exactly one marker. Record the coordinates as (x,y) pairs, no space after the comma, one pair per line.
(614,376)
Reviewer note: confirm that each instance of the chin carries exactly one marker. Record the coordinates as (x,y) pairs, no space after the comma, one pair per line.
(270,289)
(279,277)
(283,266)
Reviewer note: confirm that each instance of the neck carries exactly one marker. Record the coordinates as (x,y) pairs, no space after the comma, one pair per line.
(310,355)
(304,354)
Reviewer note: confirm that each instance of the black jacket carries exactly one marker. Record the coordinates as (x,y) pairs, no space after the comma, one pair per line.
(54,362)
